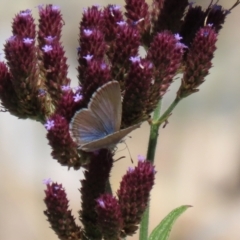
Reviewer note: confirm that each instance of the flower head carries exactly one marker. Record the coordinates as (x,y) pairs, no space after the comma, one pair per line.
(109,216)
(58,213)
(198,64)
(133,197)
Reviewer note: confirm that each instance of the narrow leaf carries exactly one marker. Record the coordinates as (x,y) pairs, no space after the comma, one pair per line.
(162,231)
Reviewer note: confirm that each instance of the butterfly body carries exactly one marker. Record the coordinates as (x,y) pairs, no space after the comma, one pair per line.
(98,126)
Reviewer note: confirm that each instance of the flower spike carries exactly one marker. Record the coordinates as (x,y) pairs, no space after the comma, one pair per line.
(58,213)
(134,195)
(198,61)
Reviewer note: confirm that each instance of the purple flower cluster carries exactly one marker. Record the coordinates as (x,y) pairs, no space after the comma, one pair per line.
(102,214)
(177,36)
(58,214)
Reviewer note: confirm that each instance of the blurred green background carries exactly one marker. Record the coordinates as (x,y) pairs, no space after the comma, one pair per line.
(197,159)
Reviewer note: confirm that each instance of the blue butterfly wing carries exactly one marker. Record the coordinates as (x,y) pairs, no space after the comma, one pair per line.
(85,127)
(106,105)
(108,141)
(103,116)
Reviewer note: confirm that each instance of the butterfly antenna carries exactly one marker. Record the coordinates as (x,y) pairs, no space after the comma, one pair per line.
(129,152)
(119,159)
(115,150)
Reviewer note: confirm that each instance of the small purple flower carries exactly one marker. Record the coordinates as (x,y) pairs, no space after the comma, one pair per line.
(103,66)
(101,203)
(177,37)
(28,41)
(134,59)
(49,39)
(77,89)
(77,97)
(40,7)
(55,8)
(47,181)
(205,33)
(88,57)
(181,45)
(47,48)
(49,124)
(116,7)
(210,24)
(150,66)
(25,13)
(12,38)
(87,32)
(141,158)
(130,169)
(65,88)
(121,23)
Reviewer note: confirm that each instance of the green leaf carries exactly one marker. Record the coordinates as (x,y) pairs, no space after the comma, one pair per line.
(162,231)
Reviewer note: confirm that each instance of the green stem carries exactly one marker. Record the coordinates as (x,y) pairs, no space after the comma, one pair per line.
(152,143)
(167,113)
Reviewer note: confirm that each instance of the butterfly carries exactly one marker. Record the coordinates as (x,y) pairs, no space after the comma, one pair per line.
(98,126)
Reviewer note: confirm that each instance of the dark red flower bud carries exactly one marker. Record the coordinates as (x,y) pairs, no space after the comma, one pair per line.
(170,16)
(134,194)
(192,22)
(8,96)
(69,103)
(166,54)
(93,186)
(96,74)
(137,85)
(21,59)
(23,25)
(198,61)
(137,14)
(50,23)
(92,18)
(126,45)
(92,42)
(109,217)
(22,62)
(64,150)
(54,70)
(111,16)
(215,15)
(196,18)
(58,213)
